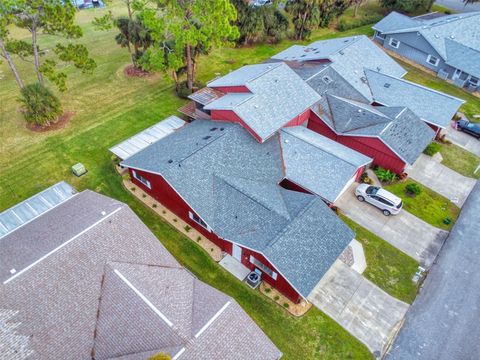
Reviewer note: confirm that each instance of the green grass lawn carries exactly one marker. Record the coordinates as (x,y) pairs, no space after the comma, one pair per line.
(387,267)
(429,206)
(470,108)
(460,160)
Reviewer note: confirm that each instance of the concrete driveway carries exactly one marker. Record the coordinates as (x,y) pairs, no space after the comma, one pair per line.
(362,308)
(463,140)
(441,179)
(405,231)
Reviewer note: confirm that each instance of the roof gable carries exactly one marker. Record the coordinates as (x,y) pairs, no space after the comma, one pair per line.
(278,95)
(388,90)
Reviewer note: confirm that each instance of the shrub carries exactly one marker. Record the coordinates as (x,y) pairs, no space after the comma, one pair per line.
(160,356)
(40,106)
(432,149)
(183,91)
(199,238)
(345,23)
(187,228)
(286,306)
(154,205)
(267,290)
(365,179)
(413,189)
(384,175)
(276,297)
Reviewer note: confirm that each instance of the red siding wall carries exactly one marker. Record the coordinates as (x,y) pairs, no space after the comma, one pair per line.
(289,185)
(300,119)
(372,147)
(281,284)
(231,89)
(168,197)
(230,115)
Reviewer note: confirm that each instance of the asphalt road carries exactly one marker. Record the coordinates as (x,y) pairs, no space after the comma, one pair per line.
(459,6)
(443,322)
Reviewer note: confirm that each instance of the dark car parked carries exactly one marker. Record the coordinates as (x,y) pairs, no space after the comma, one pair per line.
(469,127)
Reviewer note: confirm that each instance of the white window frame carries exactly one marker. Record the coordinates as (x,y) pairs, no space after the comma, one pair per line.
(141,179)
(390,42)
(474,81)
(199,221)
(381,35)
(264,268)
(429,57)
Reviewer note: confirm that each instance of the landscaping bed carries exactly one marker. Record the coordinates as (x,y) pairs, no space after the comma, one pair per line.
(428,205)
(387,267)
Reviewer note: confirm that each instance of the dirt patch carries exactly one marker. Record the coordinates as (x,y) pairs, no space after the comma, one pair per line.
(62,121)
(132,71)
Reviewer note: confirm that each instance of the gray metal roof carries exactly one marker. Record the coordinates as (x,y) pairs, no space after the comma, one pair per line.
(307,154)
(432,106)
(24,212)
(279,95)
(461,28)
(113,290)
(399,128)
(231,181)
(146,137)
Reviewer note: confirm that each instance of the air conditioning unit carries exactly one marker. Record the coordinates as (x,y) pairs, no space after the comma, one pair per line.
(79,169)
(254,278)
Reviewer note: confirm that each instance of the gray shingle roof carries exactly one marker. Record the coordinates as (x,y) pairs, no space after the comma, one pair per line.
(307,154)
(463,57)
(351,62)
(432,106)
(461,28)
(279,95)
(348,58)
(322,49)
(55,305)
(231,181)
(399,128)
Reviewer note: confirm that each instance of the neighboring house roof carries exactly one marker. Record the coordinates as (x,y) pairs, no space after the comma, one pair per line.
(399,128)
(307,154)
(93,281)
(278,95)
(463,57)
(231,181)
(25,211)
(431,106)
(462,29)
(146,137)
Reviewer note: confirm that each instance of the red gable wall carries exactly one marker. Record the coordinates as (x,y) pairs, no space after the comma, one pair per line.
(231,89)
(370,146)
(167,196)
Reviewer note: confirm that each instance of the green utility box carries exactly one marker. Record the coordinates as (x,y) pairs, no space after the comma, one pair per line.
(79,169)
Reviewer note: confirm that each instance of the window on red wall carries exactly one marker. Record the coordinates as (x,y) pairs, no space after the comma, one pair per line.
(198,220)
(141,179)
(263,267)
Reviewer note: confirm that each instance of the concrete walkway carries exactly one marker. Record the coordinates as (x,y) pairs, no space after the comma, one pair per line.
(442,323)
(362,308)
(405,231)
(441,179)
(463,140)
